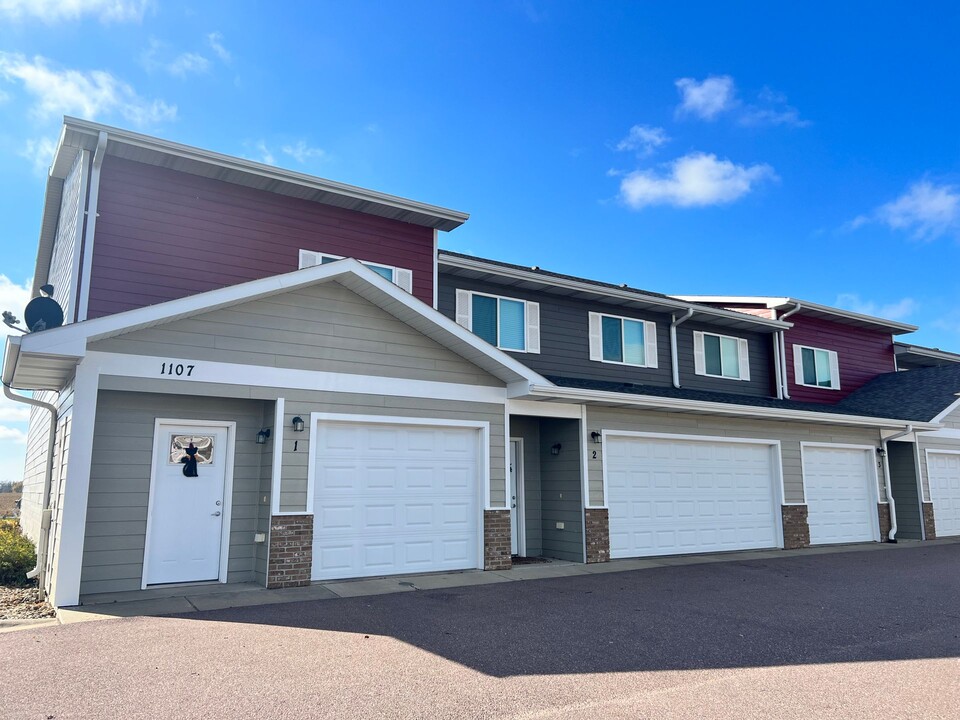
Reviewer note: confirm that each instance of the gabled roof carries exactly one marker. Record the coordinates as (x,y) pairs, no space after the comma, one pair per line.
(917,356)
(811,309)
(45,360)
(923,394)
(536,279)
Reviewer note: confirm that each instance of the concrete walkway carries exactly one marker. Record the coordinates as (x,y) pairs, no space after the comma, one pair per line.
(216,596)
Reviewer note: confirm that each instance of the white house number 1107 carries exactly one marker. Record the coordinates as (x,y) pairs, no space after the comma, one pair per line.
(179,369)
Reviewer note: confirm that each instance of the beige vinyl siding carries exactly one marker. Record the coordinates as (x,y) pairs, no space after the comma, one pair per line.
(120,483)
(324,327)
(925,442)
(790,435)
(66,245)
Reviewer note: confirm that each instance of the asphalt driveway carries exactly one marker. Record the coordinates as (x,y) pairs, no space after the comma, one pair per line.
(858,634)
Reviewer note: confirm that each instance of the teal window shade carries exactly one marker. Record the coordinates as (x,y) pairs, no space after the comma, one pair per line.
(612,339)
(711,355)
(513,326)
(816,367)
(809,366)
(380,270)
(729,357)
(484,318)
(633,343)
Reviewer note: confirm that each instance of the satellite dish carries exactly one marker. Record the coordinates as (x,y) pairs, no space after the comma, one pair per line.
(43,313)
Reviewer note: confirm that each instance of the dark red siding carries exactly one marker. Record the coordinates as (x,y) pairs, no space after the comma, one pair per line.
(862,355)
(163,234)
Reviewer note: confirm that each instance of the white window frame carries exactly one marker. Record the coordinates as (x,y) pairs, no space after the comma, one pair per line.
(649,340)
(402,277)
(531,318)
(700,362)
(798,367)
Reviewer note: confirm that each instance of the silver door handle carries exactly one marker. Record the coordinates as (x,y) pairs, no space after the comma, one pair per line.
(216,514)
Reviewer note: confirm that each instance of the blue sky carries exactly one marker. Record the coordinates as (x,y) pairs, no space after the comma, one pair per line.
(680,147)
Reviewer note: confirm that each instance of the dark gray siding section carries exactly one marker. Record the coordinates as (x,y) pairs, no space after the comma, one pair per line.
(903,480)
(565,342)
(561,494)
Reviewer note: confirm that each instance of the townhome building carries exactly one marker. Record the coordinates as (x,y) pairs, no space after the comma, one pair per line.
(265,376)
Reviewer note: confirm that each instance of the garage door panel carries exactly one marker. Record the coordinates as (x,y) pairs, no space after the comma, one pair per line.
(840,499)
(394,499)
(943,470)
(683,496)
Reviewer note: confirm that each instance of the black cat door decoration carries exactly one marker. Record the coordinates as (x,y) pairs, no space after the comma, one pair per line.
(189,461)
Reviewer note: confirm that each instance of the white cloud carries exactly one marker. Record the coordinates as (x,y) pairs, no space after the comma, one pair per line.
(925,210)
(13,297)
(643,139)
(39,153)
(89,94)
(15,434)
(265,155)
(694,180)
(706,99)
(187,64)
(897,310)
(772,109)
(215,40)
(301,152)
(51,11)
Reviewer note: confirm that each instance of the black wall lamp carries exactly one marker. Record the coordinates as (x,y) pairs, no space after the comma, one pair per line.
(555,449)
(262,436)
(881,453)
(298,424)
(596,437)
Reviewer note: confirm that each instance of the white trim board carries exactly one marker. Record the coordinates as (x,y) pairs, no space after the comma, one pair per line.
(521,507)
(277,464)
(231,428)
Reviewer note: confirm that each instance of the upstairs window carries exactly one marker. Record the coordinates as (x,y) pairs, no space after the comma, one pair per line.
(507,323)
(400,277)
(623,341)
(816,368)
(721,356)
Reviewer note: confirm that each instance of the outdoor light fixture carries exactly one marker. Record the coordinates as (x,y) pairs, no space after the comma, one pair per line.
(881,452)
(262,436)
(596,437)
(298,424)
(555,450)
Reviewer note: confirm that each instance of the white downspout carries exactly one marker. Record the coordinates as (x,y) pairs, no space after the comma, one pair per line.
(89,232)
(40,570)
(783,350)
(777,370)
(888,485)
(674,362)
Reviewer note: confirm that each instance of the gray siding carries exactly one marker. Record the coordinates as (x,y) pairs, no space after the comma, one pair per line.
(903,481)
(790,435)
(120,483)
(565,342)
(323,327)
(528,429)
(560,487)
(66,244)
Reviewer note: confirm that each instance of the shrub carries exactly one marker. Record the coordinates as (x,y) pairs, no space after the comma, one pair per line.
(17,555)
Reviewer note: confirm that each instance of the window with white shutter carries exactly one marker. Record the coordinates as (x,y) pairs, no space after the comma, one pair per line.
(815,367)
(507,323)
(721,356)
(622,340)
(401,277)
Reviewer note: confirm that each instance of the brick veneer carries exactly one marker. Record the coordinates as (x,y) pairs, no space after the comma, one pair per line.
(929,529)
(291,551)
(596,523)
(496,540)
(796,530)
(883,513)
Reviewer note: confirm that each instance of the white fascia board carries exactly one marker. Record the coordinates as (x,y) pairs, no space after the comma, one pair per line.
(678,304)
(11,352)
(927,352)
(715,408)
(72,339)
(267,171)
(947,410)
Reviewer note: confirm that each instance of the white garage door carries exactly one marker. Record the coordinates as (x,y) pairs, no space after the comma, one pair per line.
(943,470)
(841,504)
(670,496)
(394,498)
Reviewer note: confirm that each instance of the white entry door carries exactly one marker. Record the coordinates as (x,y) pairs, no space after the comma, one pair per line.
(943,470)
(185,518)
(393,498)
(516,497)
(840,485)
(672,496)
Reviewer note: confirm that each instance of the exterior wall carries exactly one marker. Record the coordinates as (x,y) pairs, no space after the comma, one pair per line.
(291,551)
(597,532)
(929,522)
(862,355)
(560,486)
(262,550)
(120,482)
(496,540)
(883,517)
(61,453)
(66,244)
(323,327)
(796,528)
(790,435)
(565,342)
(528,428)
(163,234)
(903,480)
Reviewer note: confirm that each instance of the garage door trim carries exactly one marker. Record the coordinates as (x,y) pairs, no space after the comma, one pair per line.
(931,499)
(776,464)
(873,477)
(483,438)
